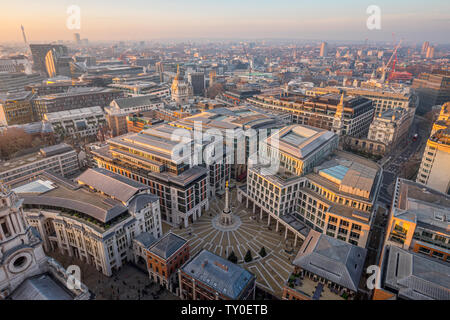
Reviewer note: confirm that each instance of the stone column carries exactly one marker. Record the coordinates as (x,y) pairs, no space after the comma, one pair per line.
(268,219)
(276,229)
(285,234)
(295,241)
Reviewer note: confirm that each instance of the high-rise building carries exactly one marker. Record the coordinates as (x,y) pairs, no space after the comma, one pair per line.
(432,89)
(197,81)
(77,38)
(430,53)
(45,57)
(425,46)
(323,49)
(153,157)
(434,170)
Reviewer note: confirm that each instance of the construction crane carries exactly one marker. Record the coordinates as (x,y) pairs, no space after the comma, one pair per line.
(386,67)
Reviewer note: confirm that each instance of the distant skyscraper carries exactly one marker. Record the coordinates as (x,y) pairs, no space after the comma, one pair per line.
(41,57)
(197,81)
(323,49)
(425,46)
(77,38)
(430,53)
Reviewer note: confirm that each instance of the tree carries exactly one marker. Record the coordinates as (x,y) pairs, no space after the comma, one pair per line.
(248,256)
(262,252)
(232,257)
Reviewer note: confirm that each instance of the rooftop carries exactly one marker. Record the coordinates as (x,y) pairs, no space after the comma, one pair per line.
(48,189)
(423,205)
(300,141)
(35,156)
(114,185)
(83,112)
(332,259)
(349,174)
(222,275)
(416,277)
(41,287)
(167,245)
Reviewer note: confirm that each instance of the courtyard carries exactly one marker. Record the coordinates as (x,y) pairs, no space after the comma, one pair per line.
(250,233)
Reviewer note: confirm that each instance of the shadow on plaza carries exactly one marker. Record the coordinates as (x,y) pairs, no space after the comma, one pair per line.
(128,283)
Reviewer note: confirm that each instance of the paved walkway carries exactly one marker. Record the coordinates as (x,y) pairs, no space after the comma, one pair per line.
(271,271)
(129,283)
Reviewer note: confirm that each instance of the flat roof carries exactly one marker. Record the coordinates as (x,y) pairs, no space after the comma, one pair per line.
(416,276)
(300,141)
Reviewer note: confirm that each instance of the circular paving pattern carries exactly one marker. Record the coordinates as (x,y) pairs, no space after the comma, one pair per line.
(234,226)
(247,233)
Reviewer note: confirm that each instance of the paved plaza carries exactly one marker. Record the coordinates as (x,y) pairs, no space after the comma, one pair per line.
(272,270)
(129,283)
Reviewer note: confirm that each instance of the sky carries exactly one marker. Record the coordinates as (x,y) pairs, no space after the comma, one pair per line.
(339,20)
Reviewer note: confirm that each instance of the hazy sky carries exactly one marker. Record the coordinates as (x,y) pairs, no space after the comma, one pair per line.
(44,20)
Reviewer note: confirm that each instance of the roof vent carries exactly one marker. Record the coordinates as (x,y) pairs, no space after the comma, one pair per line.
(205,263)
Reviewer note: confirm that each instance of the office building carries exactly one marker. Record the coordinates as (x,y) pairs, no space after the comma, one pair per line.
(197,81)
(238,120)
(300,148)
(419,220)
(336,199)
(323,49)
(75,98)
(16,108)
(60,159)
(77,123)
(434,169)
(16,82)
(432,89)
(153,158)
(25,272)
(207,276)
(93,219)
(391,127)
(141,121)
(137,88)
(410,276)
(344,115)
(45,58)
(119,109)
(383,98)
(325,269)
(51,87)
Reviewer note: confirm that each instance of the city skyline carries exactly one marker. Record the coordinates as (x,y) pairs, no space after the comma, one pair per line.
(198,19)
